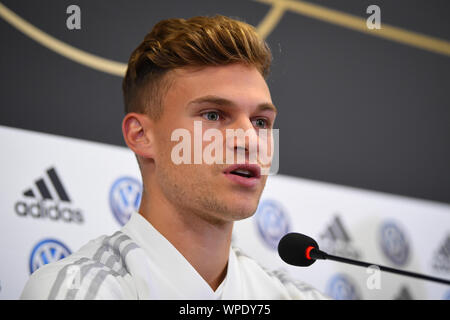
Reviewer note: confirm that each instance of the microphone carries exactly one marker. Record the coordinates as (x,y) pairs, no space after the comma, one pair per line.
(302,251)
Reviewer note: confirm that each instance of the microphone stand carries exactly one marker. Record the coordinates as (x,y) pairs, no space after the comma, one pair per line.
(320,255)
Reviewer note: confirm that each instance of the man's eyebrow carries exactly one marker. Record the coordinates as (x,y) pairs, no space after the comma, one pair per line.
(267,106)
(225,102)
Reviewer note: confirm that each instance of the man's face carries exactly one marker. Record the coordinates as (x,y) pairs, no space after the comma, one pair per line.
(224,97)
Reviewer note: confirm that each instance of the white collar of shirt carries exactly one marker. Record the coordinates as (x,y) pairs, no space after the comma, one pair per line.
(173,276)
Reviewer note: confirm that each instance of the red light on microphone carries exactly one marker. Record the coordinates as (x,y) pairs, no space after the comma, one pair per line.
(308,250)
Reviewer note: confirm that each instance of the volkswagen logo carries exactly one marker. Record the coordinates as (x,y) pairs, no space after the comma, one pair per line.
(394,243)
(124,198)
(272,222)
(446,295)
(47,251)
(341,287)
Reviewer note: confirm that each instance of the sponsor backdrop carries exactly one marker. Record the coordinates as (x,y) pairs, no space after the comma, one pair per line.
(363,136)
(71,191)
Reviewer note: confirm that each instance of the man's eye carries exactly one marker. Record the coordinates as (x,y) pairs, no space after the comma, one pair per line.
(211,115)
(261,123)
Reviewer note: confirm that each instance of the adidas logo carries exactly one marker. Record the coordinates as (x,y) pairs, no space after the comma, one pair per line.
(404,294)
(336,240)
(441,259)
(44,198)
(43,189)
(336,231)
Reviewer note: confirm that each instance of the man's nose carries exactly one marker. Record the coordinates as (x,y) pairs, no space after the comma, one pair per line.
(241,136)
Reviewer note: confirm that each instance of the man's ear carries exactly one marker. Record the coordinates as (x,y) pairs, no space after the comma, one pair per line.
(137,130)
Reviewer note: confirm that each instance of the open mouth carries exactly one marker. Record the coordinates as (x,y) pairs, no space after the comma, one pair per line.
(244,170)
(243,173)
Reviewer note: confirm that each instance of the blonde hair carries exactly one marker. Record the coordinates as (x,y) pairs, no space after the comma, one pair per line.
(177,43)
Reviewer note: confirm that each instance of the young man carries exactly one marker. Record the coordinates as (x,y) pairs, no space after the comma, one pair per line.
(202,71)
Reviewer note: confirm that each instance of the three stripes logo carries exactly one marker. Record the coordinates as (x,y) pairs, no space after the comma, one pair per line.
(44,191)
(404,294)
(48,198)
(441,258)
(336,240)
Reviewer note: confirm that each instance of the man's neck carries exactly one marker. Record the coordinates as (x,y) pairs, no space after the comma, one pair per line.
(204,244)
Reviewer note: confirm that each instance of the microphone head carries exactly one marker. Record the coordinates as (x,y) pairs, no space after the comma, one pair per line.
(292,249)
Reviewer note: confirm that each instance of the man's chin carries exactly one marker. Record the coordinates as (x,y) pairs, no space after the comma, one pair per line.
(244,204)
(240,211)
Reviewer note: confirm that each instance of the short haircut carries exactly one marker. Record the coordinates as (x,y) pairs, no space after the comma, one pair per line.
(196,42)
